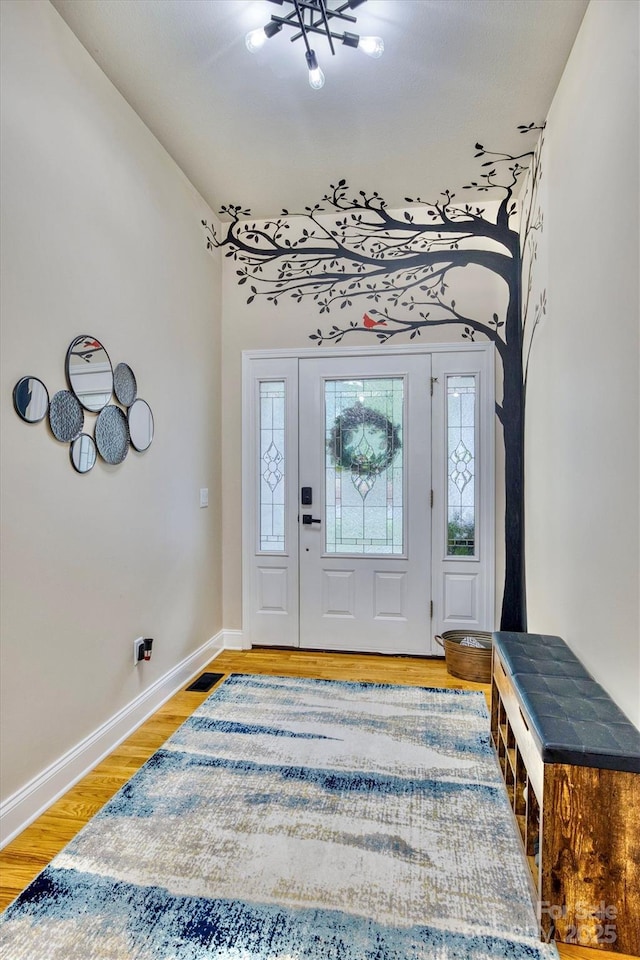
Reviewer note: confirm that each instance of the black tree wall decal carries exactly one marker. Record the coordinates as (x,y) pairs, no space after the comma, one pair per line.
(347,248)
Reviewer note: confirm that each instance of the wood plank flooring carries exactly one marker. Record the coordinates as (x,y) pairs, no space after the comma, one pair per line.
(29,853)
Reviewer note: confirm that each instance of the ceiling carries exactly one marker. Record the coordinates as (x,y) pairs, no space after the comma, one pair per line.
(247,128)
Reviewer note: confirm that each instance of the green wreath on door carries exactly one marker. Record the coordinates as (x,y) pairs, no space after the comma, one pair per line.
(348,431)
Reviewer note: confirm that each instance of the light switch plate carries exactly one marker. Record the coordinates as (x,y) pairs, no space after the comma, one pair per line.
(204,497)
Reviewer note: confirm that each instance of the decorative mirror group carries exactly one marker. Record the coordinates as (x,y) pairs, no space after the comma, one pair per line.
(92,382)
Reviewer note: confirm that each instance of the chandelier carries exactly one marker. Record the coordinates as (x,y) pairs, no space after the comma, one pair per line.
(310,17)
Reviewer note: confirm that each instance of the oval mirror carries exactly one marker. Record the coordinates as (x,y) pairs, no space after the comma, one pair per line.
(89,372)
(31,399)
(112,434)
(65,416)
(83,453)
(124,384)
(140,425)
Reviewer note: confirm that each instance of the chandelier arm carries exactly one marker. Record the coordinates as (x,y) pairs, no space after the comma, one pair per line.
(289,21)
(323,10)
(323,33)
(303,27)
(314,25)
(310,28)
(314,7)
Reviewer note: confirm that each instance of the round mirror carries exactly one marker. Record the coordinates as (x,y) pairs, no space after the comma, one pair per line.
(140,425)
(124,384)
(65,416)
(89,372)
(112,434)
(31,399)
(83,453)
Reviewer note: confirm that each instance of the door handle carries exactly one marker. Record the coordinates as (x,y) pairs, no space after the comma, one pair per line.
(307,519)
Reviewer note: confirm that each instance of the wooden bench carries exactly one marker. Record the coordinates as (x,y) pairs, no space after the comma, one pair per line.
(571,763)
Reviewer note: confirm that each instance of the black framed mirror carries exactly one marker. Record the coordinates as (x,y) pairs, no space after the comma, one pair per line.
(124,384)
(66,418)
(83,453)
(112,434)
(140,425)
(89,373)
(31,399)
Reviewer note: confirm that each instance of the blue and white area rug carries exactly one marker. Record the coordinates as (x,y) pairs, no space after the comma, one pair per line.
(296,820)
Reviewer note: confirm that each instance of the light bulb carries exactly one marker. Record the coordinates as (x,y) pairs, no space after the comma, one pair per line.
(316,76)
(316,79)
(372,46)
(255,39)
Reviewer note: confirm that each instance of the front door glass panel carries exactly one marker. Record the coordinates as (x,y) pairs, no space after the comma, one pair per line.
(271,465)
(364,466)
(461,466)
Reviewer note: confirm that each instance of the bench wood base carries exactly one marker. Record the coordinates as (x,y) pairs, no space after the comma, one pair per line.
(580,829)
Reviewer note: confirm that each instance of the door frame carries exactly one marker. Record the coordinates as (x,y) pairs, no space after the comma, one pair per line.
(452,579)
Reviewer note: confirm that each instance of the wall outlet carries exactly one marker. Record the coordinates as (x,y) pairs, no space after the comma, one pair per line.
(204,496)
(138,651)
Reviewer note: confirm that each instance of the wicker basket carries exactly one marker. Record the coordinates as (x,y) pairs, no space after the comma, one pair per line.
(467,663)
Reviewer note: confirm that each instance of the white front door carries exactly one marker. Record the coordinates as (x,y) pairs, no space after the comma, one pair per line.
(364,539)
(368,497)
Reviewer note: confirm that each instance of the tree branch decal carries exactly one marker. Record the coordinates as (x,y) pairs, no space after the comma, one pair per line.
(401,266)
(531,229)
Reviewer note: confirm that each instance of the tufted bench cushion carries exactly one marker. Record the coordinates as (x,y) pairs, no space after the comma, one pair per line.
(572,718)
(538,653)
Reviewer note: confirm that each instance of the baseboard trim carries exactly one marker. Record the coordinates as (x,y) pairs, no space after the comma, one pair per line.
(28,803)
(234,640)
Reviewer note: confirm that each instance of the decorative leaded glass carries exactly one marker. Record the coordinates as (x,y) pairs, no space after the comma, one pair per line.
(364,466)
(271,465)
(461,494)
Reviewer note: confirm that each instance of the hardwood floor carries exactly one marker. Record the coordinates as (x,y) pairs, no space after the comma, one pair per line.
(28,854)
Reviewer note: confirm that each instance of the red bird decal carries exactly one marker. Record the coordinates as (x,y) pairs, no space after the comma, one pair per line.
(92,343)
(370,322)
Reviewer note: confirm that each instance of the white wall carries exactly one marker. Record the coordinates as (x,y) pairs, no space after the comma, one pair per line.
(100,235)
(583,480)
